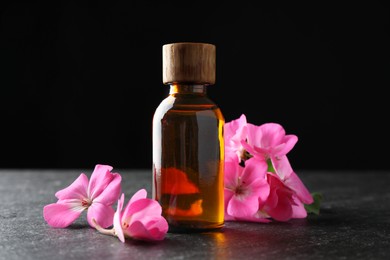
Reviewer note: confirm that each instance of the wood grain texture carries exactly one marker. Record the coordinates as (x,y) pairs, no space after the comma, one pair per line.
(189,62)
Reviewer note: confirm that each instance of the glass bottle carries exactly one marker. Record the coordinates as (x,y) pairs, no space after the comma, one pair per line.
(188,142)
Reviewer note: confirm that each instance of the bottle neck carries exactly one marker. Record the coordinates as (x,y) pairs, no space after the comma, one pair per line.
(188,89)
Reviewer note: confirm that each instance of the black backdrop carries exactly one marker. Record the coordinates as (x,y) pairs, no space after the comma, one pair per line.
(80,80)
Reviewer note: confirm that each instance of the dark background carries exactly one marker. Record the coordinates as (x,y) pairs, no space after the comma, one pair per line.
(80,80)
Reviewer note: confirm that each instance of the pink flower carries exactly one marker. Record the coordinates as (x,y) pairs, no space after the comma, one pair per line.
(291,180)
(141,219)
(96,196)
(245,189)
(270,142)
(235,132)
(251,151)
(282,203)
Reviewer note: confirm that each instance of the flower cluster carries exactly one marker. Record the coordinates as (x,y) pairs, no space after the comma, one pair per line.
(260,184)
(140,220)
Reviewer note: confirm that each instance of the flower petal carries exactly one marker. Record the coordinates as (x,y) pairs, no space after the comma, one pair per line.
(254,177)
(141,208)
(103,214)
(254,170)
(228,194)
(150,228)
(100,178)
(111,193)
(279,203)
(298,209)
(138,208)
(282,166)
(241,207)
(60,215)
(77,190)
(271,134)
(158,227)
(253,143)
(141,194)
(272,199)
(295,183)
(287,145)
(234,133)
(268,140)
(232,173)
(264,190)
(117,219)
(283,210)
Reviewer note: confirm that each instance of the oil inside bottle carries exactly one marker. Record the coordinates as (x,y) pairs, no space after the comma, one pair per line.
(188,165)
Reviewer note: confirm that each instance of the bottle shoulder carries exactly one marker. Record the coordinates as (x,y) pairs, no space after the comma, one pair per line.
(199,101)
(188,104)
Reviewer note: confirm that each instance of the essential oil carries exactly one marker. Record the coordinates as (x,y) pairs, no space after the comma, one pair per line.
(188,143)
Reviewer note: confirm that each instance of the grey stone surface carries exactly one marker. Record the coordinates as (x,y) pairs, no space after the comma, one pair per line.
(354,223)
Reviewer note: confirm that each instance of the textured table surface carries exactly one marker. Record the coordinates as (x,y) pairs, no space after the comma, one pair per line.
(354,223)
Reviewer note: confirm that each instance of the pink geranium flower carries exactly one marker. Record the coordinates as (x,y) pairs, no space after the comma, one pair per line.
(141,219)
(251,151)
(291,180)
(245,188)
(95,195)
(270,142)
(235,132)
(282,203)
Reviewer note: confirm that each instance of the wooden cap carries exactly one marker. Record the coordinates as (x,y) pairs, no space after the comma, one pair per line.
(189,62)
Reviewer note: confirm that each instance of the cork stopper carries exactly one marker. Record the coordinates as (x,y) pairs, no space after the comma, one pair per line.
(189,62)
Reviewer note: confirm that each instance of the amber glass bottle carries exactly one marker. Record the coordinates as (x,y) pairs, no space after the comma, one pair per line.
(188,144)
